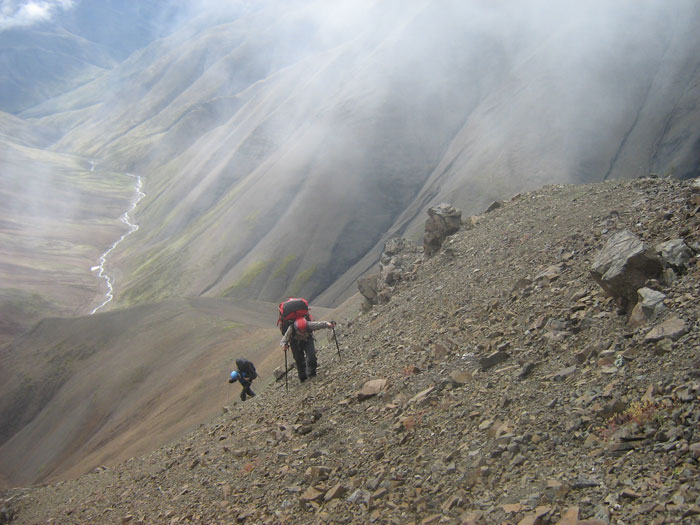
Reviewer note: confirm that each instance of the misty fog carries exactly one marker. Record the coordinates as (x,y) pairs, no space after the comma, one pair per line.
(255,122)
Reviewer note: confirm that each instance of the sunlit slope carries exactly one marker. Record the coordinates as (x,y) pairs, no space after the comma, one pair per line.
(279,154)
(78,393)
(314,162)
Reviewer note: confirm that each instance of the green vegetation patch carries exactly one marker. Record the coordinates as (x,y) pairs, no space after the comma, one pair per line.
(300,280)
(284,267)
(247,278)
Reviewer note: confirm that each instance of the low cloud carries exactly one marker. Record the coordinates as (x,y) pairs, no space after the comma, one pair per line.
(22,13)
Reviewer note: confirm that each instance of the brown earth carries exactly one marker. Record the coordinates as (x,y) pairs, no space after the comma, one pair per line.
(83,392)
(584,420)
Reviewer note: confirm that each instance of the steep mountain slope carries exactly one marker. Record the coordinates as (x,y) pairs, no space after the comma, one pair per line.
(77,393)
(448,435)
(281,153)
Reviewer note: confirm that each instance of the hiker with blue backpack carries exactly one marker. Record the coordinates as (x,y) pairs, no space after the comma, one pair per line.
(297,330)
(244,375)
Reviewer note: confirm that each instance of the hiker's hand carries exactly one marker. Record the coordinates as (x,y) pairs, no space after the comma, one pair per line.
(331,324)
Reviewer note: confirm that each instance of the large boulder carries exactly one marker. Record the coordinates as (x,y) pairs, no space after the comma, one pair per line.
(443,221)
(369,287)
(623,266)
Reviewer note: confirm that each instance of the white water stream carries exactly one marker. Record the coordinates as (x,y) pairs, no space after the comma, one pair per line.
(100,268)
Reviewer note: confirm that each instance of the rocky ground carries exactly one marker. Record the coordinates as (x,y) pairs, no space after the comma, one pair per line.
(498,384)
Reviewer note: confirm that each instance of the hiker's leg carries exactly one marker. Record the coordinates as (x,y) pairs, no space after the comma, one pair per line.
(311,357)
(246,387)
(298,355)
(243,394)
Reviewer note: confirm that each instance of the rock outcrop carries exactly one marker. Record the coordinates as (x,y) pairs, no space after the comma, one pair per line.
(624,265)
(398,261)
(443,220)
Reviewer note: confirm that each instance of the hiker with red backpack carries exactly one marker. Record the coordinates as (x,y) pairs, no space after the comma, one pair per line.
(297,329)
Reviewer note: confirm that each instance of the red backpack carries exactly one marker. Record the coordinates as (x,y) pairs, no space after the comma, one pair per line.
(292,309)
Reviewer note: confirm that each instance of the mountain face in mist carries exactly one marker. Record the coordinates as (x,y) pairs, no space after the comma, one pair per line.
(76,46)
(281,145)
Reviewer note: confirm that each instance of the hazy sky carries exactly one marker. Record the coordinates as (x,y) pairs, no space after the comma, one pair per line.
(15,13)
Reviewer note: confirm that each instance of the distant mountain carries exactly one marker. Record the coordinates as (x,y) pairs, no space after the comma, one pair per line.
(74,47)
(280,147)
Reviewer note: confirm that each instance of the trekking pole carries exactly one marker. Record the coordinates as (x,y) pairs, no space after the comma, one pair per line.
(336,343)
(286,370)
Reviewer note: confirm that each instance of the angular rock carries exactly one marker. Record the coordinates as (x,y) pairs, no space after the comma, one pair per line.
(650,305)
(673,329)
(316,473)
(526,369)
(311,494)
(420,396)
(338,491)
(675,253)
(564,373)
(623,266)
(443,221)
(369,287)
(360,496)
(371,388)
(494,206)
(493,359)
(551,273)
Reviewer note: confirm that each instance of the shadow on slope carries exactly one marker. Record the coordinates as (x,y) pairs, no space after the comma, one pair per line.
(78,393)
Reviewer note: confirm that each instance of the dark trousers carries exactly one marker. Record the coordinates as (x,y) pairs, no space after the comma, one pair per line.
(246,389)
(304,353)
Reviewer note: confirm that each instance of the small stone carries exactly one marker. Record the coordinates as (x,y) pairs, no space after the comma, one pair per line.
(564,373)
(673,329)
(629,494)
(460,377)
(338,491)
(311,494)
(518,460)
(371,388)
(421,396)
(570,517)
(493,359)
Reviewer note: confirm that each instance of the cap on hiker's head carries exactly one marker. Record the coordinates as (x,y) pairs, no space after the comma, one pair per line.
(300,324)
(234,375)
